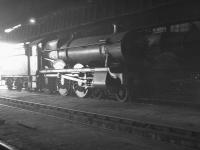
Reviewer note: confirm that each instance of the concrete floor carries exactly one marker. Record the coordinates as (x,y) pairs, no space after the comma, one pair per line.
(28,130)
(175,116)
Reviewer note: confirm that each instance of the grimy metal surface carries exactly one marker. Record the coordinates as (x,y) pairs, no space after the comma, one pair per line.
(183,137)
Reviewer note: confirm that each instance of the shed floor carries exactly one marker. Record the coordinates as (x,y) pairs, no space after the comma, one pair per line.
(175,116)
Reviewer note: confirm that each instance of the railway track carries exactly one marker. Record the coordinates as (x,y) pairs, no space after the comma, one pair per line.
(5,146)
(178,136)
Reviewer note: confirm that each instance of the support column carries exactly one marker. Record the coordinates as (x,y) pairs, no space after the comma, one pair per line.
(28,54)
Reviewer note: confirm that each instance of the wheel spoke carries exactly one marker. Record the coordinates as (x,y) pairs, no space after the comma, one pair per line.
(80,91)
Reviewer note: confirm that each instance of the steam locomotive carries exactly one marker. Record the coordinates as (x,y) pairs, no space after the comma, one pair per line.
(90,62)
(122,64)
(125,63)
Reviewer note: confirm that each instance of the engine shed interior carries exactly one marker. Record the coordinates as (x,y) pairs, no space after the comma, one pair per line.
(128,49)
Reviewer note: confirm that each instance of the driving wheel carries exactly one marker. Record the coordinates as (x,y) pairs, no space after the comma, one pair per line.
(80,91)
(122,93)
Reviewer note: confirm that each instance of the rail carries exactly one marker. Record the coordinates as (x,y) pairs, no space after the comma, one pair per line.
(179,136)
(5,146)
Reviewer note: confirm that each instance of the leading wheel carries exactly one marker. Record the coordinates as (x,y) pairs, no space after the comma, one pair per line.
(122,93)
(64,87)
(80,91)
